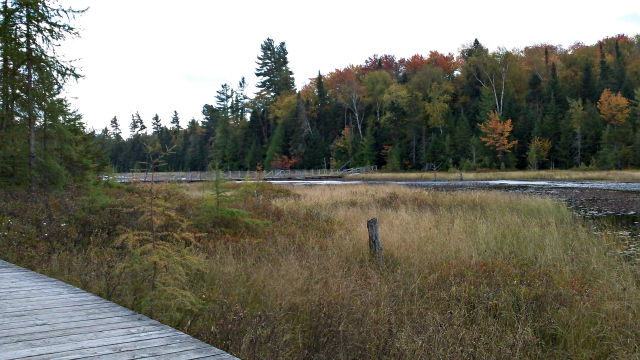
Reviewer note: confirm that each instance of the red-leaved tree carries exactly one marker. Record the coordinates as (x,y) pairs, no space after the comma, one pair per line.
(283,162)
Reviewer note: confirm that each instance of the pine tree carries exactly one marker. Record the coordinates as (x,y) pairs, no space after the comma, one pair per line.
(224,100)
(137,125)
(175,121)
(156,124)
(115,128)
(273,69)
(239,101)
(133,126)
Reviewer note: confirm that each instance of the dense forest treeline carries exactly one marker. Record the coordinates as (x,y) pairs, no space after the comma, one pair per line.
(540,107)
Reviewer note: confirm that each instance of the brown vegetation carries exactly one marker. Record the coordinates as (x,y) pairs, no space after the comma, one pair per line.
(287,274)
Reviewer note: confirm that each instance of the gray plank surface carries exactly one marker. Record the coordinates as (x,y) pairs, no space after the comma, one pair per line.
(44,318)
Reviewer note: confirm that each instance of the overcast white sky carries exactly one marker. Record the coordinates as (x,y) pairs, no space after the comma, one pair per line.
(157,56)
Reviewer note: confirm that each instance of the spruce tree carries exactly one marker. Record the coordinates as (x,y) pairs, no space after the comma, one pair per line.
(366,154)
(535,94)
(221,141)
(10,79)
(588,90)
(33,75)
(621,80)
(604,80)
(276,146)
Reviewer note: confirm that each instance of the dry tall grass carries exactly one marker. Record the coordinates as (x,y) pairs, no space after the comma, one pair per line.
(557,175)
(466,274)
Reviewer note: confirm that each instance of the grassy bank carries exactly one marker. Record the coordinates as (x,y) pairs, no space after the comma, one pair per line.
(557,175)
(287,273)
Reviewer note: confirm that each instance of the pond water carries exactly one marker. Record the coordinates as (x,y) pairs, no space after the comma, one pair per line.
(603,185)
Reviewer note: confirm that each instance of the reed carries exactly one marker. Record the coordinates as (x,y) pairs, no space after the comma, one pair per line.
(468,274)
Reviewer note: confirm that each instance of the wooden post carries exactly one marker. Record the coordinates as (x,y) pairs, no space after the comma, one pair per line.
(375,246)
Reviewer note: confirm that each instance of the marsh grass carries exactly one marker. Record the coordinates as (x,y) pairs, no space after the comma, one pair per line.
(475,274)
(466,275)
(557,175)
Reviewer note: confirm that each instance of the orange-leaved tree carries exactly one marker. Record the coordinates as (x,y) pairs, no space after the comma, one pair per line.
(613,108)
(497,132)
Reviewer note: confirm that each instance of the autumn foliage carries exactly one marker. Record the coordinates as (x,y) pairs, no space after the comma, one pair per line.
(283,162)
(538,151)
(613,108)
(497,132)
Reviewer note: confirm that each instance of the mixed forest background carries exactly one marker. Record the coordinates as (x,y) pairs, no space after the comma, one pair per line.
(543,106)
(540,107)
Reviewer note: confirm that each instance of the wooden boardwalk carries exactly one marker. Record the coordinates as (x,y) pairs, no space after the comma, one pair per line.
(273,175)
(44,318)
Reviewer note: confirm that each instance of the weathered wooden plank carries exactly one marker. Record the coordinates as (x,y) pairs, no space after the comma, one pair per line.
(74,317)
(22,316)
(51,352)
(16,283)
(175,349)
(77,321)
(48,305)
(35,292)
(41,294)
(43,318)
(44,289)
(76,327)
(97,335)
(40,298)
(114,349)
(79,345)
(202,353)
(44,324)
(31,288)
(51,299)
(12,271)
(7,289)
(65,312)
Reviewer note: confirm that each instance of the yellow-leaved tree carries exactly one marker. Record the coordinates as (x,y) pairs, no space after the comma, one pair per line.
(538,150)
(613,108)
